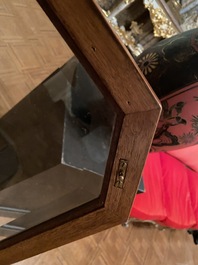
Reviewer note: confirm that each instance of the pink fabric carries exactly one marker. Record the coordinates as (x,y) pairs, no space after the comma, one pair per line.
(178,124)
(193,184)
(177,192)
(171,196)
(188,156)
(171,177)
(149,205)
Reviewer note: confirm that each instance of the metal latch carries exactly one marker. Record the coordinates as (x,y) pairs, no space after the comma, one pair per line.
(121,173)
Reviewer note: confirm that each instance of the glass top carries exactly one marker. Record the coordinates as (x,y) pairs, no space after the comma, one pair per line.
(54,147)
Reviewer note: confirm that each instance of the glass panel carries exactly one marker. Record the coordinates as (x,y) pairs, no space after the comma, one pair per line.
(88,123)
(54,146)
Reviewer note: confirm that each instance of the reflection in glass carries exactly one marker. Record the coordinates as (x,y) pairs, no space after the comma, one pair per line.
(54,147)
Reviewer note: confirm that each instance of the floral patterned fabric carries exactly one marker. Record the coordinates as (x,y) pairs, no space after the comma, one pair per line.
(178,125)
(171,67)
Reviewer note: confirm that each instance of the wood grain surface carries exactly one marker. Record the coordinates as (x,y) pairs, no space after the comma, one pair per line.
(108,62)
(136,245)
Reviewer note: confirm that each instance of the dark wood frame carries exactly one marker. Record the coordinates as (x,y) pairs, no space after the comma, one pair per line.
(90,37)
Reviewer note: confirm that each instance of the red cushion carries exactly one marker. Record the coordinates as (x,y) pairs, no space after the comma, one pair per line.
(171,195)
(177,193)
(187,155)
(193,184)
(149,205)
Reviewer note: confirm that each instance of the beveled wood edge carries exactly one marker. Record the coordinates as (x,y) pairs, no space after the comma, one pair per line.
(134,144)
(78,53)
(112,212)
(103,55)
(117,205)
(58,236)
(80,20)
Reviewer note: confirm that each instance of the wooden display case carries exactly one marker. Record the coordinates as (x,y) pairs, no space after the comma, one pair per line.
(137,109)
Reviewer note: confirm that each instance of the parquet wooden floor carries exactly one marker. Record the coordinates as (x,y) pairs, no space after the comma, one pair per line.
(135,245)
(30,49)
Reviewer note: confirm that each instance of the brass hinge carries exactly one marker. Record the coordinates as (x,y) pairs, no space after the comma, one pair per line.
(121,173)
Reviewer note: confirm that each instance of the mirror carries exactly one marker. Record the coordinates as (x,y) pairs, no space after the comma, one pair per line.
(54,146)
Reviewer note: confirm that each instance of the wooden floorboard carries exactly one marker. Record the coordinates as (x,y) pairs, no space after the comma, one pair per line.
(135,245)
(31,49)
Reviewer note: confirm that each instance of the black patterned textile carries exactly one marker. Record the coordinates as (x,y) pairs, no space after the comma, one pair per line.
(171,64)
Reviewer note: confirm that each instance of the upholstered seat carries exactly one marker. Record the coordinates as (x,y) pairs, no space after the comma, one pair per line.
(171,173)
(171,67)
